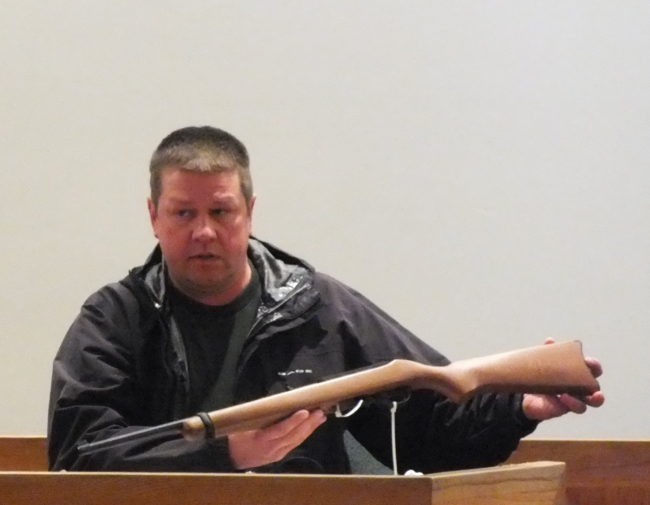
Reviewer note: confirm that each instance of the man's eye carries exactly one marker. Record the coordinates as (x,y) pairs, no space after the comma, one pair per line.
(218,212)
(183,213)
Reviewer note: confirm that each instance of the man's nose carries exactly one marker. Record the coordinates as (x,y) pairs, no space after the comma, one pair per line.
(203,232)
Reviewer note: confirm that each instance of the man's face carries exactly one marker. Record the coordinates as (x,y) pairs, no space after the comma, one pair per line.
(203,223)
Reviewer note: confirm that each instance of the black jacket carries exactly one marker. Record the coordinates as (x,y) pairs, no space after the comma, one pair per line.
(122,366)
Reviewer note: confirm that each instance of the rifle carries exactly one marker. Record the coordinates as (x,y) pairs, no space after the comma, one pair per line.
(548,369)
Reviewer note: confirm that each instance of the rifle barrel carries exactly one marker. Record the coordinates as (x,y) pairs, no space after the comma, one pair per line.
(88,447)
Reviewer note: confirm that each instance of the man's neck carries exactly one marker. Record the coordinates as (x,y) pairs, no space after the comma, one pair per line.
(221,296)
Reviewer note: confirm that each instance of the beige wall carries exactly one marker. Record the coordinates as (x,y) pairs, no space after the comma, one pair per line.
(479,169)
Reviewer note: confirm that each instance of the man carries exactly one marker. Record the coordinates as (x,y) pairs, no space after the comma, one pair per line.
(215,317)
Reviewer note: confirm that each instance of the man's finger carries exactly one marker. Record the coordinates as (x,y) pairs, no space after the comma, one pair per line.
(595,366)
(266,445)
(281,428)
(573,404)
(595,400)
(302,420)
(298,434)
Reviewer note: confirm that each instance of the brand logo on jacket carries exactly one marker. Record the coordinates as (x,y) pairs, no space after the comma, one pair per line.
(297,371)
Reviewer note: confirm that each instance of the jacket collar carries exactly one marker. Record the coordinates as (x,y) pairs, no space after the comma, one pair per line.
(281,274)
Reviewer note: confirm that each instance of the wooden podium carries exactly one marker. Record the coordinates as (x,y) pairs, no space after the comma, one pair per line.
(538,483)
(598,472)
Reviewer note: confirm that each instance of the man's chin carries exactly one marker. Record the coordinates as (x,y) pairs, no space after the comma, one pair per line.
(208,290)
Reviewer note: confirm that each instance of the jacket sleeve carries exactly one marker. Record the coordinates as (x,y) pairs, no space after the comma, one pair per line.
(95,394)
(433,433)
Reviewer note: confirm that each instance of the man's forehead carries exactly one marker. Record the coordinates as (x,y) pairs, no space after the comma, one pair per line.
(203,169)
(225,183)
(223,173)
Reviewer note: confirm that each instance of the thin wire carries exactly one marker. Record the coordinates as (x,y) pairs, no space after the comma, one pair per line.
(393,437)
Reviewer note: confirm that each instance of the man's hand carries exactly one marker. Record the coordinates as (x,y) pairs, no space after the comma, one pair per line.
(249,449)
(543,407)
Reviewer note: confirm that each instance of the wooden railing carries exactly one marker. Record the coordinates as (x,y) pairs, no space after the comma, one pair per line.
(23,453)
(599,472)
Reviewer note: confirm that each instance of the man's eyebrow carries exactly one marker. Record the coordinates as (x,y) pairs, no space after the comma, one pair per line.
(216,199)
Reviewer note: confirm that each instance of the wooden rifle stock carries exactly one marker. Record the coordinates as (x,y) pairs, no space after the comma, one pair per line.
(553,369)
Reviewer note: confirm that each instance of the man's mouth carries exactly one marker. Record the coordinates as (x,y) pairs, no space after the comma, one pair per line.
(203,256)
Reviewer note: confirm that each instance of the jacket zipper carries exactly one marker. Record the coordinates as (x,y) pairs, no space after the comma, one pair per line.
(179,346)
(260,322)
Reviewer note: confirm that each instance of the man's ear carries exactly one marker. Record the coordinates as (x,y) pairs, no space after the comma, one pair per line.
(251,205)
(153,215)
